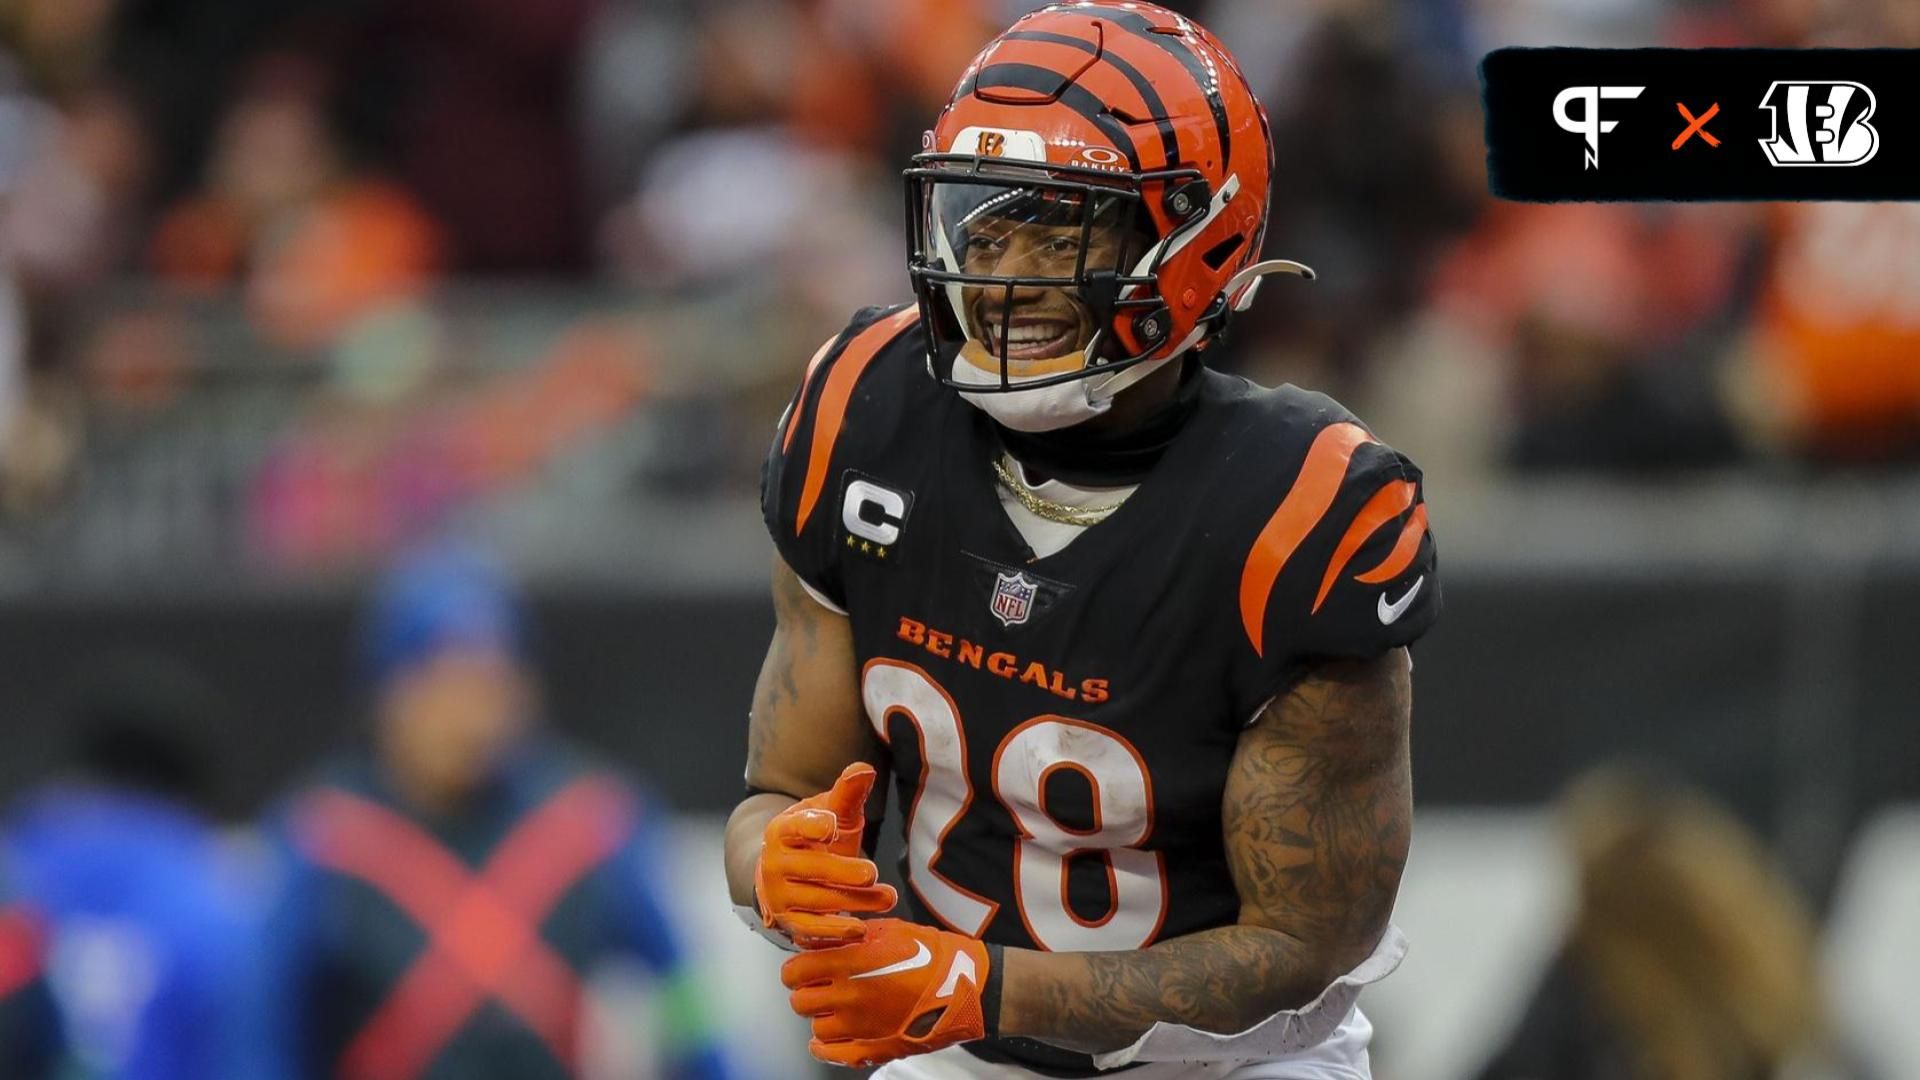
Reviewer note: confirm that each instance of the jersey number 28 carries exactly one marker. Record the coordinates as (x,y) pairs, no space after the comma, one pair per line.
(1031,752)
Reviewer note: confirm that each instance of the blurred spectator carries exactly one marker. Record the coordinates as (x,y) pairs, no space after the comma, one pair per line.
(1601,323)
(70,211)
(63,42)
(13,334)
(19,115)
(447,897)
(183,65)
(1836,338)
(145,926)
(66,177)
(474,103)
(29,1027)
(636,77)
(772,180)
(402,440)
(316,240)
(1370,215)
(1690,956)
(362,469)
(767,207)
(775,202)
(875,75)
(1833,362)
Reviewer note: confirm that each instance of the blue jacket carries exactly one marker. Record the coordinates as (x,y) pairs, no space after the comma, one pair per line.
(145,934)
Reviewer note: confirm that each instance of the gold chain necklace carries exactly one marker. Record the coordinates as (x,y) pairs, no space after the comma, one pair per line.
(1042,507)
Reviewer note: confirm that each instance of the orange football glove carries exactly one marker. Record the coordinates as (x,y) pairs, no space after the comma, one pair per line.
(905,989)
(812,874)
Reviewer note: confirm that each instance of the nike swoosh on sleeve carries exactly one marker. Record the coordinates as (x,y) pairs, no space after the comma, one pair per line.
(1390,613)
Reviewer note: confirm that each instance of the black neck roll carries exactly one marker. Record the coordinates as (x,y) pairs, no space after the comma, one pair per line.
(1095,458)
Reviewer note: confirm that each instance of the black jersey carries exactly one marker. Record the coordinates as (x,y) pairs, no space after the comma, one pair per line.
(1060,728)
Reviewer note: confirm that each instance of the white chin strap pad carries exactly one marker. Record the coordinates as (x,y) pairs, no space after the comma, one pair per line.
(1048,408)
(1279,1035)
(1031,409)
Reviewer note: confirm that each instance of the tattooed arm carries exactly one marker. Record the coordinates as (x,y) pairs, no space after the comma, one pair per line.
(1317,816)
(806,724)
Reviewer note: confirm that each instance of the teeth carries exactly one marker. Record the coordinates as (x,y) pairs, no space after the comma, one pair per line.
(1030,334)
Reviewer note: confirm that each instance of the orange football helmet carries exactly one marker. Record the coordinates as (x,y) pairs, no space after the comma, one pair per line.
(1111,152)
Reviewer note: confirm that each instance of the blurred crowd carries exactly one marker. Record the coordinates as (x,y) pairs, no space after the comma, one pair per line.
(726,171)
(440,900)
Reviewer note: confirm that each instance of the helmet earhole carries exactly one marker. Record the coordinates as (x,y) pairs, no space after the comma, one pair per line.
(1188,201)
(1151,325)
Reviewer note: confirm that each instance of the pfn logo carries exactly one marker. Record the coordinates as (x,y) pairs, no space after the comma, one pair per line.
(1589,124)
(1826,124)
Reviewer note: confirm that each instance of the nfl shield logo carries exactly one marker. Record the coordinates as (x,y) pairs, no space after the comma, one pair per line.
(1012,598)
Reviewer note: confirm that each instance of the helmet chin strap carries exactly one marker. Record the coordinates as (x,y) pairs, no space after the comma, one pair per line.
(1102,388)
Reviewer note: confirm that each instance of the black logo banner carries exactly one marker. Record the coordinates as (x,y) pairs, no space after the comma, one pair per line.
(1702,124)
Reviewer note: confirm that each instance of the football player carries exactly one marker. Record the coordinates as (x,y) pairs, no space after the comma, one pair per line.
(1128,634)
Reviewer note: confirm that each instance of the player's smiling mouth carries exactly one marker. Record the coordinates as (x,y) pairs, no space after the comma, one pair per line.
(1033,337)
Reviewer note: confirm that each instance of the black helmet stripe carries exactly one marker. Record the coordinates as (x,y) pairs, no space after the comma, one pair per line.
(1156,109)
(1207,81)
(1078,98)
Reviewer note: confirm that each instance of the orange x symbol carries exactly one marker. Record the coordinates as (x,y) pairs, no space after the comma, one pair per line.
(1698,125)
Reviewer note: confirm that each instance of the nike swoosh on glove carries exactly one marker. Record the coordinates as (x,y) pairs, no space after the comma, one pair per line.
(813,876)
(905,989)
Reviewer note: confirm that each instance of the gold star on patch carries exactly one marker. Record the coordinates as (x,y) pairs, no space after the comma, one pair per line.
(865,547)
(882,552)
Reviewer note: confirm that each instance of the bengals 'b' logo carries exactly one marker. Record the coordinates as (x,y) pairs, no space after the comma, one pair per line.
(1819,123)
(992,144)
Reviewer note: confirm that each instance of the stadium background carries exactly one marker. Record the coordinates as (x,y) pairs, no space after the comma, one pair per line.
(286,285)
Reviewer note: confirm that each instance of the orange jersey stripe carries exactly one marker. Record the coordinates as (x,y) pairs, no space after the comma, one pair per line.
(1403,551)
(1387,503)
(1312,494)
(835,395)
(800,402)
